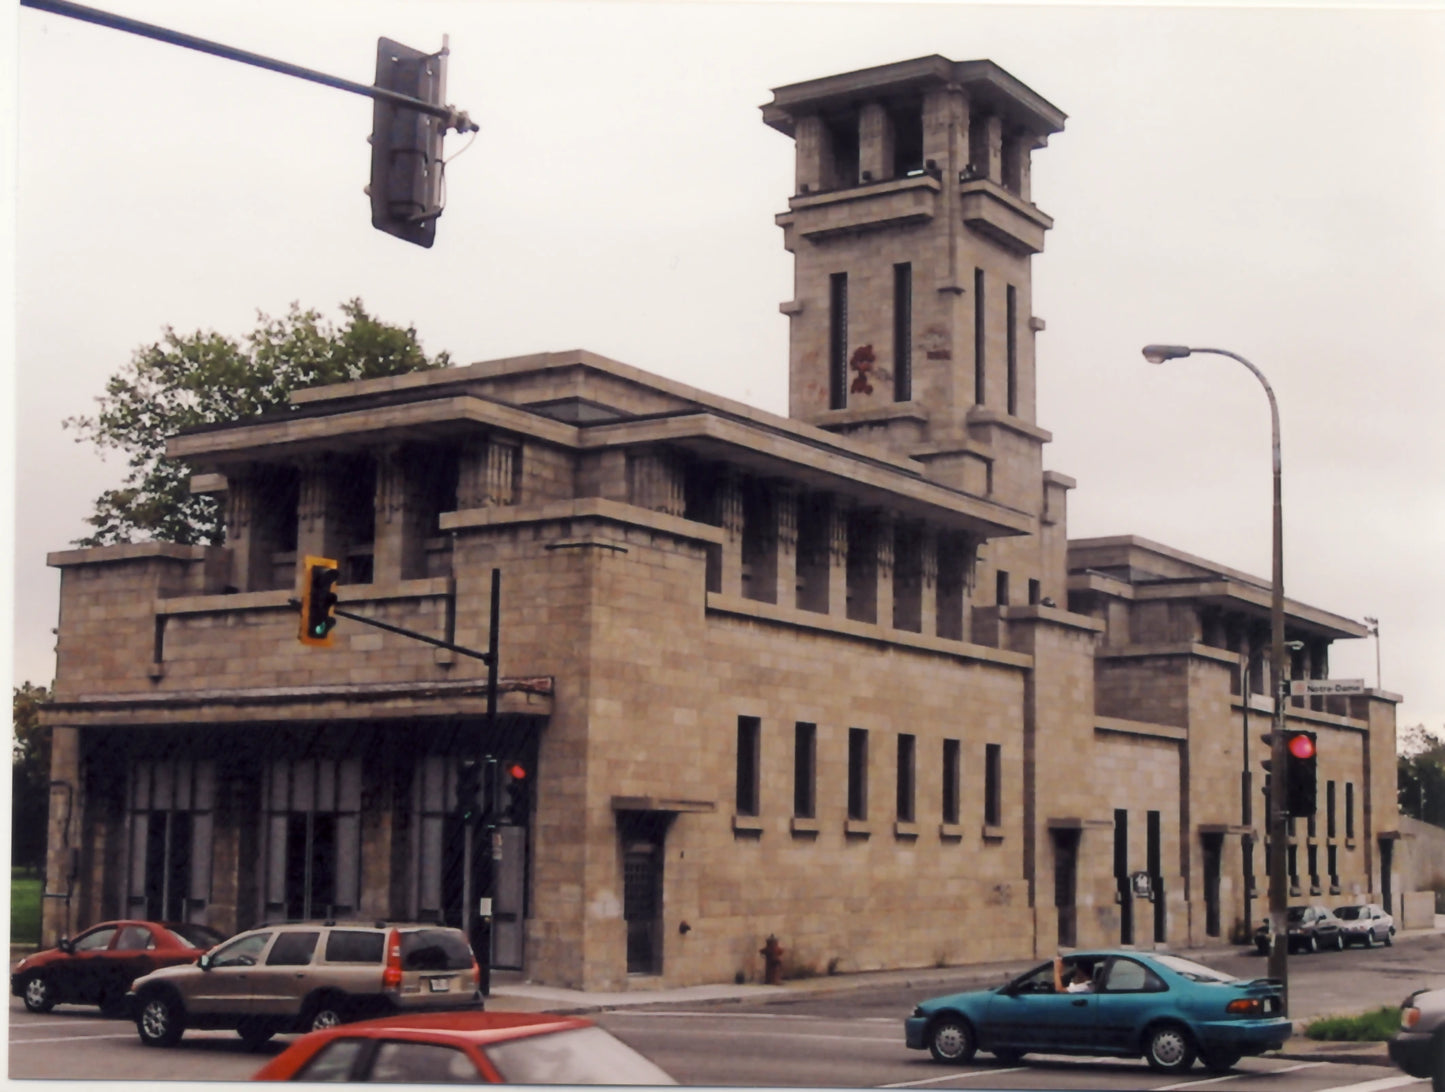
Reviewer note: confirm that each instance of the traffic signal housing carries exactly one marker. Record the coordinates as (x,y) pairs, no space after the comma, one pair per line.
(406,144)
(469,790)
(1300,774)
(517,795)
(318,600)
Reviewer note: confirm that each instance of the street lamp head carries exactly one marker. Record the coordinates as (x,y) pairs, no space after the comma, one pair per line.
(1158,354)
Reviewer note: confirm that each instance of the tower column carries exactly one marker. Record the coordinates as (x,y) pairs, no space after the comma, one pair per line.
(875,143)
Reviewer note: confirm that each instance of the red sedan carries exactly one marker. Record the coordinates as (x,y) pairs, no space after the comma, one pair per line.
(97,967)
(465,1047)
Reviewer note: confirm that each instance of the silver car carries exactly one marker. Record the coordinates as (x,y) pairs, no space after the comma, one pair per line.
(1366,924)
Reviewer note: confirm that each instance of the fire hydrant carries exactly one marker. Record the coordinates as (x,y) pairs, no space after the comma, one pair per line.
(772,953)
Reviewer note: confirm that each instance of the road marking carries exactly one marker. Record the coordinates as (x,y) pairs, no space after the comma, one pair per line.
(716,1014)
(60,1023)
(1379,1085)
(955,1076)
(1235,1077)
(68,1039)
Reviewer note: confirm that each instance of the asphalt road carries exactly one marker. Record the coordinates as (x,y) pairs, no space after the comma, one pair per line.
(839,1038)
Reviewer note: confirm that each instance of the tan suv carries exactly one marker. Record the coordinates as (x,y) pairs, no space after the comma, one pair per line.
(300,976)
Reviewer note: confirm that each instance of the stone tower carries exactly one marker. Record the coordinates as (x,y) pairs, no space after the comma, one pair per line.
(912,228)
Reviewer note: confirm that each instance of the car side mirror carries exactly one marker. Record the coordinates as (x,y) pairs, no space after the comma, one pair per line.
(66,945)
(204,962)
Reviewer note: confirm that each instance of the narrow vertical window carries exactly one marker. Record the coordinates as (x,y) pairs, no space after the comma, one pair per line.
(950,780)
(902,332)
(838,341)
(1330,811)
(906,744)
(978,337)
(992,785)
(1012,341)
(1035,590)
(1350,810)
(1001,589)
(857,773)
(805,770)
(749,733)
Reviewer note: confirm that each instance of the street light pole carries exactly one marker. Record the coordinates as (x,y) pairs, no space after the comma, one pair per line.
(1278,875)
(1374,624)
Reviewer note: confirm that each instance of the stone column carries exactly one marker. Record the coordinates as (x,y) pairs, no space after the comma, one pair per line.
(319,530)
(928,577)
(875,144)
(884,545)
(730,508)
(838,558)
(487,473)
(655,481)
(785,511)
(810,149)
(250,567)
(993,149)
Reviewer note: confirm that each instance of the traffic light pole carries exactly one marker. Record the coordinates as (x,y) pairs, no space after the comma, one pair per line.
(455,119)
(486,657)
(1278,835)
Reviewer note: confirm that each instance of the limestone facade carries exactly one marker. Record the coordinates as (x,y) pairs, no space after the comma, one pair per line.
(838,677)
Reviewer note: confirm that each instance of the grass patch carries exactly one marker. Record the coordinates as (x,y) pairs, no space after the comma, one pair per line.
(1369,1027)
(24,906)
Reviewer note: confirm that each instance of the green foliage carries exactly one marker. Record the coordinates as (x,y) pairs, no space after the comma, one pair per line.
(29,776)
(25,888)
(183,381)
(1420,777)
(1368,1027)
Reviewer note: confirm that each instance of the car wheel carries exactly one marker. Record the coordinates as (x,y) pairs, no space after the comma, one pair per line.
(39,994)
(255,1032)
(1009,1057)
(1220,1059)
(1169,1049)
(161,1021)
(326,1012)
(950,1040)
(1390,937)
(1339,942)
(1369,938)
(1314,944)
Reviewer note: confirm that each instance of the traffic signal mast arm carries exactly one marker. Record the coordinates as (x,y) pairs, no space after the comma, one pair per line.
(454,119)
(485,657)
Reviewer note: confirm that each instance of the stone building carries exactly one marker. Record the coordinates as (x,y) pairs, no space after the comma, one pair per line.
(838,677)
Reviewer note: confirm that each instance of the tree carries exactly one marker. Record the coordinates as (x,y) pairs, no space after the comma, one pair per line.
(207,378)
(29,777)
(1421,775)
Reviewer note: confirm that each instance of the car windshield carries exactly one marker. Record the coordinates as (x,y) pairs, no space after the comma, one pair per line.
(1348,913)
(1195,972)
(196,936)
(1296,914)
(580,1056)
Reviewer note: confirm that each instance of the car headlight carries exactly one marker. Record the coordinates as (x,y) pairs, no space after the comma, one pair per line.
(1409,1017)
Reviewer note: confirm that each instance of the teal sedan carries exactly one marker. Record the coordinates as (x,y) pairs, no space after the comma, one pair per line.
(1123,1004)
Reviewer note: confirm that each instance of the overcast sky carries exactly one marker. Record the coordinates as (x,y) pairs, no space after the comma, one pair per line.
(1267,180)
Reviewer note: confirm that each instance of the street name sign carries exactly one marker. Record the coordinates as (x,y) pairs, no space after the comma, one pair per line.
(1317,688)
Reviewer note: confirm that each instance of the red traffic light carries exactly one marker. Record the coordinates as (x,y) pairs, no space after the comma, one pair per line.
(1301,746)
(517,772)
